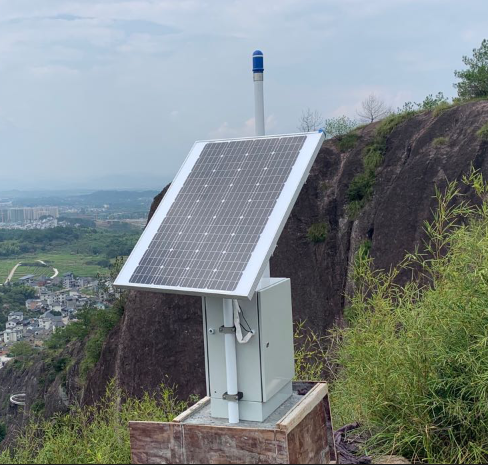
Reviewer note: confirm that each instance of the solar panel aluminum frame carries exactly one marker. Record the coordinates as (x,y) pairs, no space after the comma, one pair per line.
(266,244)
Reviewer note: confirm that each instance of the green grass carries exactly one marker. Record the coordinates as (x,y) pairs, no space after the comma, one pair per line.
(483,132)
(6,266)
(441,108)
(440,141)
(354,207)
(98,434)
(79,264)
(414,360)
(347,141)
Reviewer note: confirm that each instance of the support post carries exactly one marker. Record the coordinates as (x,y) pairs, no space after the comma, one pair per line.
(231,362)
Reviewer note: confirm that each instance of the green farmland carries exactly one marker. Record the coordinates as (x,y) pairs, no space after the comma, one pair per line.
(36,270)
(79,264)
(83,251)
(6,266)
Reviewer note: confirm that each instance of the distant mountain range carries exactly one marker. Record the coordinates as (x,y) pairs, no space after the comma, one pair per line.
(69,185)
(79,198)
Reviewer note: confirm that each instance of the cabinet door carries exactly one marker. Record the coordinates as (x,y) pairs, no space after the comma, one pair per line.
(276,321)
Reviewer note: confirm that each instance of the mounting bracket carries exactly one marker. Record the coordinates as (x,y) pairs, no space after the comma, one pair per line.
(227,330)
(233,398)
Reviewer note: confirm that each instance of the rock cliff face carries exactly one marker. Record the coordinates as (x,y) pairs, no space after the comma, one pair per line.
(48,391)
(160,336)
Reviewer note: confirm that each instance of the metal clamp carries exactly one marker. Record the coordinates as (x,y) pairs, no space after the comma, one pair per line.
(226,330)
(233,398)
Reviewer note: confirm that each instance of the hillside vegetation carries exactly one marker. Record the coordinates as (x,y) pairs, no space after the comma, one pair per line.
(414,359)
(97,434)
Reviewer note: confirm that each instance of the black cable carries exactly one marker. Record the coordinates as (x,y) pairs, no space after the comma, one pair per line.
(249,330)
(245,329)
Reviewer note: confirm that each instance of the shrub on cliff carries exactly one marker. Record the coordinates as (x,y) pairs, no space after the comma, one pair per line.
(440,141)
(415,359)
(361,188)
(92,327)
(318,232)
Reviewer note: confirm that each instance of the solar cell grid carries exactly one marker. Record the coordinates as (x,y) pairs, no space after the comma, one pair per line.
(211,229)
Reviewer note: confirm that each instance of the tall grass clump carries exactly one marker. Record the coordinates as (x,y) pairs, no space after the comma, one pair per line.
(415,357)
(440,141)
(318,232)
(347,141)
(98,434)
(313,354)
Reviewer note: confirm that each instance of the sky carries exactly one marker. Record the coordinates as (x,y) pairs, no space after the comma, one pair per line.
(113,93)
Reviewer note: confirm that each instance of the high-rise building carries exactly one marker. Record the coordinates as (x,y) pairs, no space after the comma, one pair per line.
(26,214)
(4,218)
(16,215)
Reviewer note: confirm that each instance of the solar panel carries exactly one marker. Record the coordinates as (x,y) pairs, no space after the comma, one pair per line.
(219,222)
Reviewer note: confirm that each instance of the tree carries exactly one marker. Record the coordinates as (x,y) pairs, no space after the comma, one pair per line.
(21,350)
(310,121)
(339,126)
(430,102)
(373,109)
(474,80)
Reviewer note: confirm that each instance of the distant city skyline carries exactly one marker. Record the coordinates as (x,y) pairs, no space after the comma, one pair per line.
(105,94)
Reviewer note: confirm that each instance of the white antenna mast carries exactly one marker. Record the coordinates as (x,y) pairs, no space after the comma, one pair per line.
(258,77)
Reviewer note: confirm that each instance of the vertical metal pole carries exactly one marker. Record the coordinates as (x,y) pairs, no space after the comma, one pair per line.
(231,362)
(258,77)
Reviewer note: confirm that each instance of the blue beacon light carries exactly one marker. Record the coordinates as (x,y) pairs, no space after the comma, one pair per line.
(257,62)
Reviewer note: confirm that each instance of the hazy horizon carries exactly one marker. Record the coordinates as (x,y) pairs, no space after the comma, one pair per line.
(108,182)
(113,93)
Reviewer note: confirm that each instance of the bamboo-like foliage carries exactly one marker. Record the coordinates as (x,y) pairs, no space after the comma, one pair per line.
(415,358)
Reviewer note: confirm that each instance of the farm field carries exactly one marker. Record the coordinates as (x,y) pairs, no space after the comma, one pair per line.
(79,264)
(85,252)
(6,266)
(35,269)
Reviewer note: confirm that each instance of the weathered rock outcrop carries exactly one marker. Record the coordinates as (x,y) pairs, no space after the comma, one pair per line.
(160,336)
(47,390)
